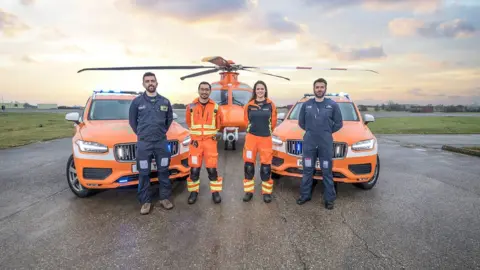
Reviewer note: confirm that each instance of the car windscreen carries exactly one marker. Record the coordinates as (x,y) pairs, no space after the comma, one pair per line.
(348,111)
(240,97)
(109,109)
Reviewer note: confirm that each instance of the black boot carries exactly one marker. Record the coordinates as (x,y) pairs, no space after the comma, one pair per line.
(267,198)
(248,196)
(301,201)
(329,205)
(193,197)
(216,197)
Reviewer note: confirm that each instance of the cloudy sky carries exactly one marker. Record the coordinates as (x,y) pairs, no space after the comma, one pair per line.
(426,51)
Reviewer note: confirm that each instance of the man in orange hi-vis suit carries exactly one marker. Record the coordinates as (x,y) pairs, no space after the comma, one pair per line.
(261,119)
(204,121)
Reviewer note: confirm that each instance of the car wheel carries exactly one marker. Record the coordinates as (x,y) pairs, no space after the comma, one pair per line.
(73,182)
(370,184)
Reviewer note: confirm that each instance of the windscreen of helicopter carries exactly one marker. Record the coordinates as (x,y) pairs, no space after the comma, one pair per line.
(240,97)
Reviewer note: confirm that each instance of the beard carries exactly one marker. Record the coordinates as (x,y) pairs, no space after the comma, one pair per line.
(151,88)
(319,94)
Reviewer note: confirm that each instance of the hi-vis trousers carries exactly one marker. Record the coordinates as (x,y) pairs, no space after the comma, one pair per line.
(263,146)
(200,150)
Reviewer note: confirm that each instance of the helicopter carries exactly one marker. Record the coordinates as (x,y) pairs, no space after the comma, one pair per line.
(229,93)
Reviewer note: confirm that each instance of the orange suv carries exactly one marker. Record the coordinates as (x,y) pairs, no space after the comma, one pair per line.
(104,146)
(355,160)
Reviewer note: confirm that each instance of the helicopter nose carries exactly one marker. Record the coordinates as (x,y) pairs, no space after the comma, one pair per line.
(232,115)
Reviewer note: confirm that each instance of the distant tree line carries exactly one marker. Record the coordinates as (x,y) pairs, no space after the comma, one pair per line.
(396,107)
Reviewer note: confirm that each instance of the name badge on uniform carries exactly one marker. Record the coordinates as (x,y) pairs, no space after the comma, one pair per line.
(163,108)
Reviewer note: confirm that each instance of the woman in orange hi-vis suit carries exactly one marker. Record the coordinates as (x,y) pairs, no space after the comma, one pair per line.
(261,119)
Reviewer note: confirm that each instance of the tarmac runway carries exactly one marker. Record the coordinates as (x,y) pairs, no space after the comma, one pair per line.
(423,214)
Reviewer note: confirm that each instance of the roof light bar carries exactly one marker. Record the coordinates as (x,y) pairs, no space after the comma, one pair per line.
(116,92)
(341,94)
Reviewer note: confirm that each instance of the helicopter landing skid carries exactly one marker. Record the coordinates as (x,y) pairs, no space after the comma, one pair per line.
(230,136)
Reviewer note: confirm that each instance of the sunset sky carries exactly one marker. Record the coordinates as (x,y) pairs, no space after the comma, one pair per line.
(426,51)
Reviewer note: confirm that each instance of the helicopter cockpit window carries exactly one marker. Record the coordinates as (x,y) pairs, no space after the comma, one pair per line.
(240,97)
(219,96)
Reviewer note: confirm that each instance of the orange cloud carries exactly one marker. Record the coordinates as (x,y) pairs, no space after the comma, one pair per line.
(418,6)
(457,28)
(11,25)
(191,11)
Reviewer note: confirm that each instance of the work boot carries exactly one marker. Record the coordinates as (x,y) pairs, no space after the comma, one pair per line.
(267,198)
(193,197)
(301,201)
(248,196)
(166,204)
(145,208)
(329,205)
(216,197)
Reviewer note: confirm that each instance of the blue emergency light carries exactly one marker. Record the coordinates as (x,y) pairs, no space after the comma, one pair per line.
(115,92)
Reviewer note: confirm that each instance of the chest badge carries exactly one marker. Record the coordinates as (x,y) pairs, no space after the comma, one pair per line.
(163,108)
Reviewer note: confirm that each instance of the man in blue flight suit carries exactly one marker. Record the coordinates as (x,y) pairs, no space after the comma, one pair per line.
(320,117)
(151,115)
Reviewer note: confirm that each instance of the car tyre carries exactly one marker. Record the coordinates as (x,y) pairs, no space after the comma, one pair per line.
(370,184)
(276,175)
(73,182)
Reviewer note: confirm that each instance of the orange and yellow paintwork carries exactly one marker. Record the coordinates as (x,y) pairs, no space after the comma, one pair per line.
(354,166)
(112,133)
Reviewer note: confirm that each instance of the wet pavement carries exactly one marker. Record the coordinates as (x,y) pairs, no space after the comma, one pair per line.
(423,213)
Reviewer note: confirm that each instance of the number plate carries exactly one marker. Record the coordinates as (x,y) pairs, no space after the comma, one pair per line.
(153,167)
(300,163)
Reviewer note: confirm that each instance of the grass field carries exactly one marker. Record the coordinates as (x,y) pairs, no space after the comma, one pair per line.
(426,125)
(24,128)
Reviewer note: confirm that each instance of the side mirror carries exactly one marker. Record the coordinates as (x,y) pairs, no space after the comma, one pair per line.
(281,116)
(368,118)
(73,117)
(175,116)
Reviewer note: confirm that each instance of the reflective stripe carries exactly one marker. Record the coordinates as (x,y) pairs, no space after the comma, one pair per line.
(193,186)
(216,185)
(267,187)
(248,185)
(203,129)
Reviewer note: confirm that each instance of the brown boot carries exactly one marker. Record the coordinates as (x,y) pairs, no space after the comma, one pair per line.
(145,208)
(166,204)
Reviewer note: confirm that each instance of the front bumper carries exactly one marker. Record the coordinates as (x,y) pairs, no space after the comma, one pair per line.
(102,171)
(355,167)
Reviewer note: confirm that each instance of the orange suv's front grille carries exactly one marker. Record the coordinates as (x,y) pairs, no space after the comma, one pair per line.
(127,152)
(295,147)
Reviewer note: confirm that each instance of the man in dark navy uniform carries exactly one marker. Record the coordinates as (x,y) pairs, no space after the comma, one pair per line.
(151,115)
(320,117)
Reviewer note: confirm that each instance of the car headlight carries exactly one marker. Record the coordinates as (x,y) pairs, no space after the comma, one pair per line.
(186,141)
(276,140)
(364,145)
(92,147)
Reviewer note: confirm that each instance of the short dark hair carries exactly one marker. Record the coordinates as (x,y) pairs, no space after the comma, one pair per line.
(149,74)
(204,82)
(254,93)
(320,80)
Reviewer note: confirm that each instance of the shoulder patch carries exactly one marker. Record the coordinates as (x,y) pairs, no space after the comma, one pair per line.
(164,108)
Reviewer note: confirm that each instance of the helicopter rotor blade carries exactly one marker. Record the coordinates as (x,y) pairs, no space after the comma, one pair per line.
(316,68)
(199,73)
(144,67)
(216,60)
(267,74)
